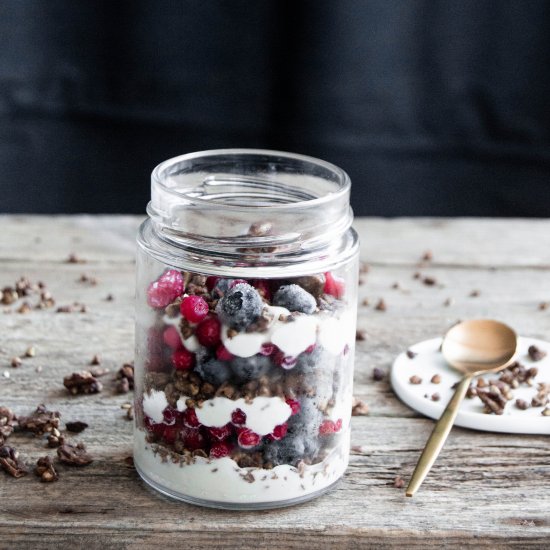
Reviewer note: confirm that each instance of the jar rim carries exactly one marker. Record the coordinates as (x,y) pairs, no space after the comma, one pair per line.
(158,179)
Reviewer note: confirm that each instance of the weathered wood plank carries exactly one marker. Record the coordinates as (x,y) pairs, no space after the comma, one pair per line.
(485,489)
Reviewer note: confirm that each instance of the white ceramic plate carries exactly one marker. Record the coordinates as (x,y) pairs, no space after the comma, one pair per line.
(429,361)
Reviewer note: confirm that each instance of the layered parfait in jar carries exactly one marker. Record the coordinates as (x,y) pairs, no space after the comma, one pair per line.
(246,303)
(246,395)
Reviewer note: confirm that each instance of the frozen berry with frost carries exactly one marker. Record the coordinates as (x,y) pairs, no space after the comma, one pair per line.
(246,369)
(334,285)
(194,308)
(284,361)
(212,370)
(165,289)
(170,415)
(193,438)
(183,359)
(238,417)
(208,332)
(295,298)
(223,354)
(294,405)
(236,282)
(278,432)
(220,434)
(330,427)
(220,449)
(240,307)
(170,434)
(289,450)
(172,338)
(190,418)
(247,439)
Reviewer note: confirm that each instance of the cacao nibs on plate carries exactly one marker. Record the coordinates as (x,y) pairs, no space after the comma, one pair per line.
(74,455)
(76,426)
(436,397)
(41,421)
(436,379)
(493,399)
(82,383)
(535,353)
(11,463)
(45,470)
(414,379)
(522,404)
(360,335)
(411,354)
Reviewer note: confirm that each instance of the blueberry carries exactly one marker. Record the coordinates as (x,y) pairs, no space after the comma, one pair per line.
(318,359)
(289,450)
(240,306)
(212,370)
(221,287)
(307,422)
(295,298)
(250,368)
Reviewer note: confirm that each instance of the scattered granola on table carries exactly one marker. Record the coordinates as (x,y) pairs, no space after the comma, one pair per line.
(82,382)
(11,463)
(359,408)
(41,421)
(7,423)
(74,454)
(45,470)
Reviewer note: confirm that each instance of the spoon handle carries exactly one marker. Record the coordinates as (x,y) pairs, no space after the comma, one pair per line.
(437,438)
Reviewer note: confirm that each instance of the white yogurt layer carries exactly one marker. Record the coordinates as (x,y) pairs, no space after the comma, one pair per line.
(296,336)
(262,414)
(154,403)
(222,480)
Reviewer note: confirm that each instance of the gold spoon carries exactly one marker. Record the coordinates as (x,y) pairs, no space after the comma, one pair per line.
(476,347)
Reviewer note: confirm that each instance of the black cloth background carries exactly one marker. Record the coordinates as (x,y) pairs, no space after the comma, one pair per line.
(433,107)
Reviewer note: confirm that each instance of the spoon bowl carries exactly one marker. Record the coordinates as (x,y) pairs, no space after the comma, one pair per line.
(475,347)
(479,346)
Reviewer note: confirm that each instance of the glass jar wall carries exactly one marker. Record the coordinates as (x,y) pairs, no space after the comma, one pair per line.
(245,329)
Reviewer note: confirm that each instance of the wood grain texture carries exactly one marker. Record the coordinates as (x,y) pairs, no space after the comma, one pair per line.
(485,490)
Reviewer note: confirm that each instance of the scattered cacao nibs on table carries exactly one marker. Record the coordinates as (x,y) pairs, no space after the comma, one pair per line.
(448,302)
(126,372)
(436,379)
(129,461)
(522,404)
(41,421)
(359,408)
(360,335)
(535,353)
(417,275)
(414,379)
(429,281)
(7,423)
(378,374)
(364,268)
(99,371)
(427,256)
(74,455)
(399,482)
(474,294)
(109,298)
(16,362)
(11,463)
(130,413)
(92,281)
(75,259)
(122,386)
(365,302)
(83,383)
(544,306)
(381,305)
(76,426)
(30,352)
(96,360)
(45,470)
(411,354)
(436,397)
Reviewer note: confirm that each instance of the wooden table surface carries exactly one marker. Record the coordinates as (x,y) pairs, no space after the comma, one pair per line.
(485,489)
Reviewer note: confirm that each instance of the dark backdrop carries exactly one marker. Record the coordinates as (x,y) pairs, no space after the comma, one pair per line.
(433,107)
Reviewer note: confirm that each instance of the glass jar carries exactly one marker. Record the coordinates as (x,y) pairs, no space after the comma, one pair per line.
(247,275)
